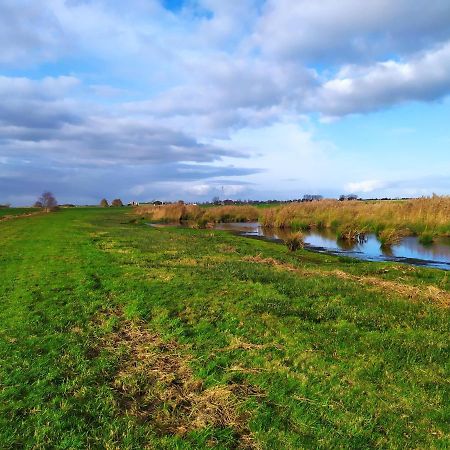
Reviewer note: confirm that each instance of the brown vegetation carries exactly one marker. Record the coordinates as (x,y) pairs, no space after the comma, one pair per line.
(178,212)
(351,219)
(416,215)
(390,236)
(294,242)
(155,383)
(173,213)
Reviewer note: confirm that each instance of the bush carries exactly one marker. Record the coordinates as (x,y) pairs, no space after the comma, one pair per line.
(390,236)
(294,242)
(350,233)
(202,223)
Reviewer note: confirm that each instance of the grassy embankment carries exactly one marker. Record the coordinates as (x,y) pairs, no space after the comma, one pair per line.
(7,212)
(117,335)
(389,220)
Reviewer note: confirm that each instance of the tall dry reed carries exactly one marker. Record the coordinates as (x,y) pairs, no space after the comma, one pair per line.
(417,215)
(178,212)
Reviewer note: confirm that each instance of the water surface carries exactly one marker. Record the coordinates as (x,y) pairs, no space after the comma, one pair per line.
(409,250)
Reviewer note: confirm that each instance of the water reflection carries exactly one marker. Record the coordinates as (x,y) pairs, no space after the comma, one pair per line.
(408,250)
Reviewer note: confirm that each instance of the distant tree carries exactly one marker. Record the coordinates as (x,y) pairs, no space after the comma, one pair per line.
(48,202)
(117,202)
(37,204)
(104,203)
(216,200)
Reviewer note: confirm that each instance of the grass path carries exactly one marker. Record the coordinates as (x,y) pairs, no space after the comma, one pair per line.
(117,335)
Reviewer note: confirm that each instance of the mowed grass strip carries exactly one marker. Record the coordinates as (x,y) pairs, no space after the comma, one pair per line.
(117,335)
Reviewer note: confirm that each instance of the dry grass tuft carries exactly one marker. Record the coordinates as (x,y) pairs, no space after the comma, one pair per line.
(238,344)
(226,248)
(389,236)
(294,241)
(155,383)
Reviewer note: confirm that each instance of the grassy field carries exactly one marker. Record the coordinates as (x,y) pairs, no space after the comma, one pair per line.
(117,335)
(16,211)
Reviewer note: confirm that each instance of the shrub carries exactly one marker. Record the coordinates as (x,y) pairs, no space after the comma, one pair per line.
(350,233)
(202,222)
(294,242)
(390,236)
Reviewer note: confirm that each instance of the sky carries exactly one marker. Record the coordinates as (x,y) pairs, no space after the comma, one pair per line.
(241,99)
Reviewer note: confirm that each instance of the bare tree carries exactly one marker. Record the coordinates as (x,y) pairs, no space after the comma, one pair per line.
(117,202)
(104,203)
(48,202)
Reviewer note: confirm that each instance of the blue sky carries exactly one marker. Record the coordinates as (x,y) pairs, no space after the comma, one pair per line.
(153,99)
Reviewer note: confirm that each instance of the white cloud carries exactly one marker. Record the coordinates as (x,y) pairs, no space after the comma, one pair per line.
(358,89)
(365,186)
(198,189)
(330,31)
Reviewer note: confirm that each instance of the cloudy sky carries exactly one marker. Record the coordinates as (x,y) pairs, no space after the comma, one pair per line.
(171,99)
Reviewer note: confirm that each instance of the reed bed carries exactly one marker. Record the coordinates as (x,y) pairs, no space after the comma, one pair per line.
(170,213)
(417,216)
(178,212)
(427,216)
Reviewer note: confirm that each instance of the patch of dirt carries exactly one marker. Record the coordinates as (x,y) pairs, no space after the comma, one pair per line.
(425,292)
(155,383)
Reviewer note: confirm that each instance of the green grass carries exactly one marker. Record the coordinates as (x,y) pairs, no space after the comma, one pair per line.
(101,317)
(16,211)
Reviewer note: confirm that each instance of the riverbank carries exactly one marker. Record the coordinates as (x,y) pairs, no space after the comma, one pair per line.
(391,220)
